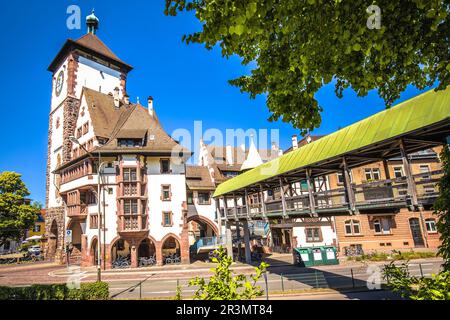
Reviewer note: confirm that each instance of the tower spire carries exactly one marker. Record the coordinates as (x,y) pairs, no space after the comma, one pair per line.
(92,23)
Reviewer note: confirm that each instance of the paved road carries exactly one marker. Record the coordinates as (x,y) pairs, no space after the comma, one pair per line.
(162,282)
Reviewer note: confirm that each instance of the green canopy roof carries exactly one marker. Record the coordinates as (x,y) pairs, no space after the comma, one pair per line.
(421,111)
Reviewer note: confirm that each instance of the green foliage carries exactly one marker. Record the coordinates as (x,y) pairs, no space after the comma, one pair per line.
(178,295)
(441,208)
(400,281)
(223,285)
(87,291)
(16,216)
(394,255)
(299,46)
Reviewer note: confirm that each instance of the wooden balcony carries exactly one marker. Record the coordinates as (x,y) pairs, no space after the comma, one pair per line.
(376,195)
(132,224)
(77,211)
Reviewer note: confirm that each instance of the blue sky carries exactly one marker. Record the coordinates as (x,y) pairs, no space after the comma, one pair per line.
(188,83)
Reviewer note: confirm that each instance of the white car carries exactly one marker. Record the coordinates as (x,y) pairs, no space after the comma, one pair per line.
(34,250)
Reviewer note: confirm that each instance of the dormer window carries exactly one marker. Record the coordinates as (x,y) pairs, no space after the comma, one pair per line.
(129,143)
(165,165)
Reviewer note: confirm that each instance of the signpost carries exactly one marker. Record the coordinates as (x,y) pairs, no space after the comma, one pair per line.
(68,242)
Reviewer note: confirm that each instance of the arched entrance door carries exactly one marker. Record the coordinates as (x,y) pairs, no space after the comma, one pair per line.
(416,232)
(75,255)
(94,252)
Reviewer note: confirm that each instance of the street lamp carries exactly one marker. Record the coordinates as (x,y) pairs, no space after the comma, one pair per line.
(99,272)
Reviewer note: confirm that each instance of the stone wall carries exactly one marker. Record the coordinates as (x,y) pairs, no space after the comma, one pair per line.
(54,245)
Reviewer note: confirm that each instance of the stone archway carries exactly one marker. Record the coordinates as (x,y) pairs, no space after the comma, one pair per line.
(201,232)
(52,242)
(93,252)
(146,249)
(170,246)
(120,249)
(77,234)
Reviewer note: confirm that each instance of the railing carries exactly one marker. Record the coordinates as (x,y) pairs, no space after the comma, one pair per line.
(78,210)
(372,194)
(209,242)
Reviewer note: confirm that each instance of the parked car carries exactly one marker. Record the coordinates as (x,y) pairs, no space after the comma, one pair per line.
(34,250)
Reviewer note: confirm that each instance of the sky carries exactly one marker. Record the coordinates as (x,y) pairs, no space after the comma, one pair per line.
(188,82)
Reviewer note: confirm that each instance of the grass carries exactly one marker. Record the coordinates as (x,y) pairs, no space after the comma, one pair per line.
(393,256)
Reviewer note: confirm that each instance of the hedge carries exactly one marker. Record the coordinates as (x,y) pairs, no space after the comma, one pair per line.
(87,291)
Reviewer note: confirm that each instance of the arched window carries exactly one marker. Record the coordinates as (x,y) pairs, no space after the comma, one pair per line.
(431,225)
(352,227)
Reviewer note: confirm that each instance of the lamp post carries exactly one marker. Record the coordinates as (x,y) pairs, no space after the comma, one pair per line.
(99,222)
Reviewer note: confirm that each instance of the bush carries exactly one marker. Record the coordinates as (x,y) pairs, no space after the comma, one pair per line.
(399,280)
(87,291)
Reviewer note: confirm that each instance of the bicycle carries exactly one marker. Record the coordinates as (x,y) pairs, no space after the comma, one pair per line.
(144,262)
(121,262)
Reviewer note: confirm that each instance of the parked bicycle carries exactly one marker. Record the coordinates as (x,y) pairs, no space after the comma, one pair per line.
(172,259)
(353,251)
(121,262)
(144,261)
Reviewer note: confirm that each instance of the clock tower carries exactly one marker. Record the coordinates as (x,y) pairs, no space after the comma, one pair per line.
(85,62)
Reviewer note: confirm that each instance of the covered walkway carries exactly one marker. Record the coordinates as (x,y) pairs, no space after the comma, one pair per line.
(288,185)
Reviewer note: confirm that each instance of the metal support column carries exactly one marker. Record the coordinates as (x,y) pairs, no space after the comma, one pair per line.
(312,202)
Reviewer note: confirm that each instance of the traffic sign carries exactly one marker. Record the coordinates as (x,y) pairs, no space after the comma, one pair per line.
(68,236)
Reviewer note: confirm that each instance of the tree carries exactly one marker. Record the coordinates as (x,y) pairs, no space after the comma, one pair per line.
(402,282)
(16,214)
(223,285)
(299,46)
(441,208)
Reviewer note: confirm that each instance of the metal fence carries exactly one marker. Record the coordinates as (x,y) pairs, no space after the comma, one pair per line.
(367,277)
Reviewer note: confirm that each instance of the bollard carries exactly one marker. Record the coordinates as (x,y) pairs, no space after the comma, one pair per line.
(140,290)
(282,282)
(353,278)
(421,271)
(267,287)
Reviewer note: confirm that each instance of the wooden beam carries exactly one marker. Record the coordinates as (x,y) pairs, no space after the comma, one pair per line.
(246,204)
(263,203)
(312,203)
(348,185)
(283,199)
(235,207)
(412,191)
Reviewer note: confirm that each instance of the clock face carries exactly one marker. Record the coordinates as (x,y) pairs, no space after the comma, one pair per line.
(59,83)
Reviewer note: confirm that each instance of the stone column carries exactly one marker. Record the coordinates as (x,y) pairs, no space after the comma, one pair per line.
(159,257)
(84,251)
(184,245)
(229,239)
(134,257)
(248,254)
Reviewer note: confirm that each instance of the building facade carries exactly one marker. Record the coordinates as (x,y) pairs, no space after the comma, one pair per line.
(113,173)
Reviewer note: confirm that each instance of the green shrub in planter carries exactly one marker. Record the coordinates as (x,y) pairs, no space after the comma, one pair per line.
(87,291)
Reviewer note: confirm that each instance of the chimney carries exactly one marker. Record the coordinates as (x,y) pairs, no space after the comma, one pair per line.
(275,150)
(150,105)
(229,155)
(294,142)
(126,99)
(116,98)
